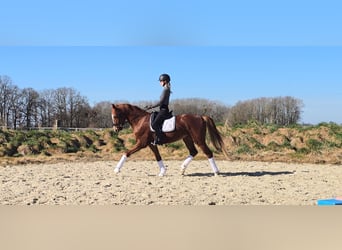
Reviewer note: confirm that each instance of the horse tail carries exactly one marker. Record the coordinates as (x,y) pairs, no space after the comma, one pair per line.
(215,135)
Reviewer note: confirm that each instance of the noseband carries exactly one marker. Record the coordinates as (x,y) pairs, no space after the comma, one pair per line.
(120,124)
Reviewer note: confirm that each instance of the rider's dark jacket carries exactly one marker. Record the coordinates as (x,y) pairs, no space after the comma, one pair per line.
(164,99)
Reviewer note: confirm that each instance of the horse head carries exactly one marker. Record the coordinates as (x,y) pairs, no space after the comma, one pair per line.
(118,118)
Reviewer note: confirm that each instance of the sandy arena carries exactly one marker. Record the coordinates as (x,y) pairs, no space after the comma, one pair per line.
(240,183)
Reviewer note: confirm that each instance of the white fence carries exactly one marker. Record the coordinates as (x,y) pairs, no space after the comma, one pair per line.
(54,128)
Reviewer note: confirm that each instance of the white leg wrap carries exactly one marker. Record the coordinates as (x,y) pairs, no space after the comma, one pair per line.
(213,165)
(186,163)
(162,168)
(120,164)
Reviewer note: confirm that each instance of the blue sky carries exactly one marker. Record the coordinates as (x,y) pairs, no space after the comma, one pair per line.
(219,50)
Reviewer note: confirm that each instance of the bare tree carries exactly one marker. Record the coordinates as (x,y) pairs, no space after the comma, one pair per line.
(101,115)
(6,87)
(215,109)
(278,110)
(29,107)
(14,108)
(71,108)
(47,110)
(81,112)
(60,101)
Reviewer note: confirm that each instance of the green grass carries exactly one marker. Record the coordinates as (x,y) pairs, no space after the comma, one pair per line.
(132,141)
(314,145)
(175,145)
(317,139)
(273,146)
(244,149)
(256,144)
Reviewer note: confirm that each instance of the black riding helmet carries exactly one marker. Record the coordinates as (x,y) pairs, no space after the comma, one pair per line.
(165,77)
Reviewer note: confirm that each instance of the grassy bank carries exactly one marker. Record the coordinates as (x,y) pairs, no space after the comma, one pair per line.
(315,144)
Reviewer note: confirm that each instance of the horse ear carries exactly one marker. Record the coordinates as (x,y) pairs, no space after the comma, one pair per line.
(113,106)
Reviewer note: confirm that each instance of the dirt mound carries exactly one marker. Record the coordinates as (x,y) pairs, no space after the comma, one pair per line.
(310,144)
(314,144)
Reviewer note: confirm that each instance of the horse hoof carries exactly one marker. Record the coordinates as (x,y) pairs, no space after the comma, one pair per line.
(182,171)
(116,171)
(216,173)
(162,173)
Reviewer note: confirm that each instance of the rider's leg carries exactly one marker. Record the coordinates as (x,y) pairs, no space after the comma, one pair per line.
(157,126)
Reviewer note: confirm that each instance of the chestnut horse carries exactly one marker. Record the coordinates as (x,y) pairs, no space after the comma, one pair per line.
(190,128)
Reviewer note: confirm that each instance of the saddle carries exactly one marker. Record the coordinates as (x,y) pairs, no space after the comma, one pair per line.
(169,124)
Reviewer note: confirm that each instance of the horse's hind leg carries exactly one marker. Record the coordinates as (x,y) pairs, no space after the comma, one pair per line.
(189,143)
(162,168)
(209,154)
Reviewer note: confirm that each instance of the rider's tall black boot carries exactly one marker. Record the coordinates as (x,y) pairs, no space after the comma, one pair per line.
(158,138)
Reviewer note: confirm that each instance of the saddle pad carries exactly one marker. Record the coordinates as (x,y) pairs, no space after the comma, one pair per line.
(169,125)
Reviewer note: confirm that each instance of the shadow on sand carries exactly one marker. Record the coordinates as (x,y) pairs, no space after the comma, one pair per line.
(251,174)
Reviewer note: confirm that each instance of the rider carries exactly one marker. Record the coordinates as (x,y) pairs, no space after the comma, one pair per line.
(163,104)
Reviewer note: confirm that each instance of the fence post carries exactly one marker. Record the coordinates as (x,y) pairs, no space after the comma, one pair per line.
(55,126)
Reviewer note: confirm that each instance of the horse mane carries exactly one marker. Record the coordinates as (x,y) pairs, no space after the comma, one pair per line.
(129,107)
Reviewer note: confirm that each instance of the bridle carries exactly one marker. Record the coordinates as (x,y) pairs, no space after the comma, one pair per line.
(118,122)
(120,118)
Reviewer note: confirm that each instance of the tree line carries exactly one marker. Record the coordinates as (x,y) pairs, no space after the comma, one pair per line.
(28,108)
(279,110)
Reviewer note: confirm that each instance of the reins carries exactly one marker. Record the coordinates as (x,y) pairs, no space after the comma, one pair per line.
(121,124)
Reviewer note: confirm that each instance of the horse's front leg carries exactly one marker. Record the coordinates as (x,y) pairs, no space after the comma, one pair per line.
(162,168)
(127,154)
